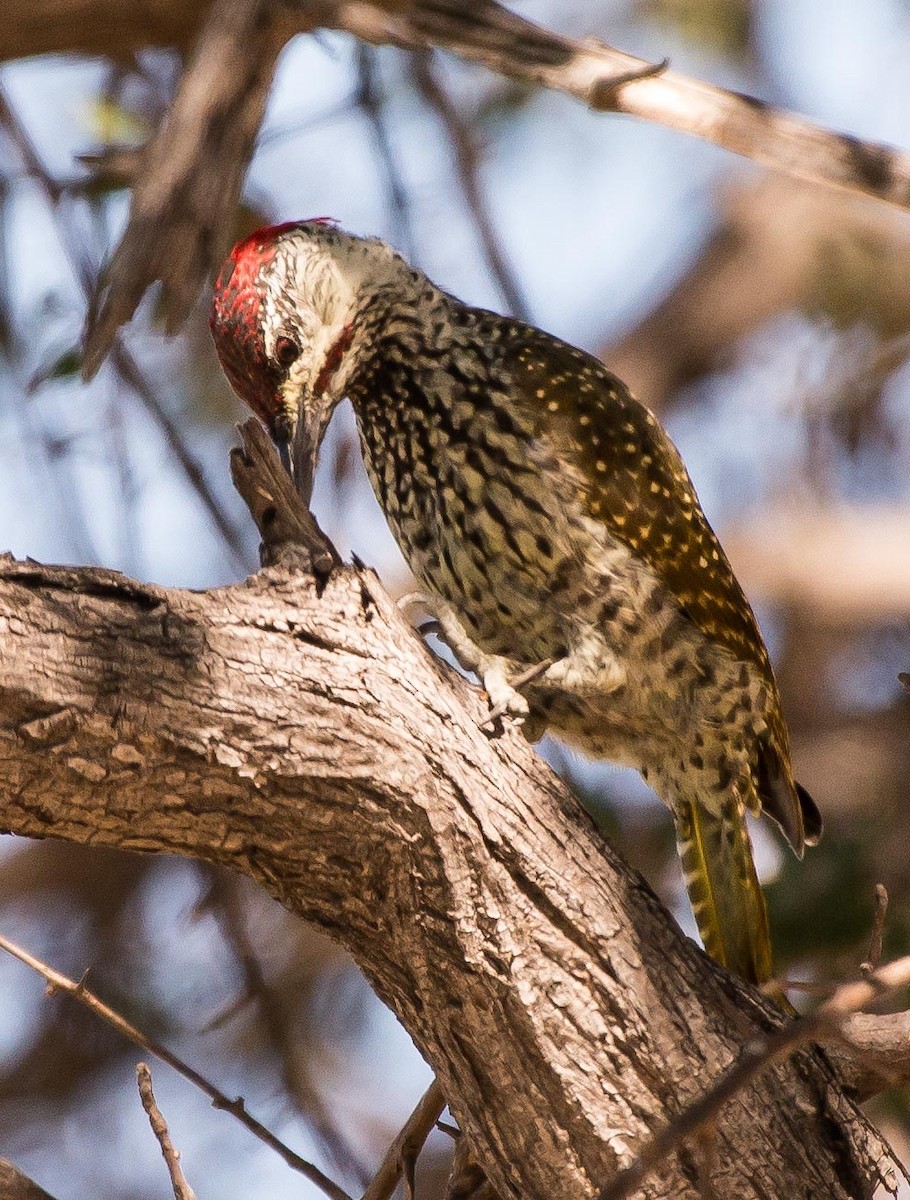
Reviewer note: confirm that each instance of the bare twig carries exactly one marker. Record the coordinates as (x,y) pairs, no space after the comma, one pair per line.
(874,956)
(182,1190)
(223,899)
(236,1107)
(192,171)
(402,1155)
(467,159)
(287,526)
(827,1021)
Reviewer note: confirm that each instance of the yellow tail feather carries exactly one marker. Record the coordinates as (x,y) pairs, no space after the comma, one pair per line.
(726,897)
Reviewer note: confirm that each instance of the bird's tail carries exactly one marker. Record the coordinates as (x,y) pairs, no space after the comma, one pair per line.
(726,897)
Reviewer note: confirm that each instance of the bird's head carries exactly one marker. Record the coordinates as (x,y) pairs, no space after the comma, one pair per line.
(284,319)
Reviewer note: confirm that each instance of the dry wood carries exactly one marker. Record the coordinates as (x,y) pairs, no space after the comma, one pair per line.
(401,1157)
(189,176)
(171,1155)
(16,1186)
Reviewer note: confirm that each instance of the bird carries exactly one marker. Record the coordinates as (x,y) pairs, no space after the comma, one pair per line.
(554,528)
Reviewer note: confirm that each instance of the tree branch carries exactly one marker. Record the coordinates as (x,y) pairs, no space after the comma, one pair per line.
(192,170)
(304,736)
(608,80)
(16,1186)
(401,1156)
(757,1056)
(179,1185)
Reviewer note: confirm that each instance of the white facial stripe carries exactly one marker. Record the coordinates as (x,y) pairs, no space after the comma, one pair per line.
(312,290)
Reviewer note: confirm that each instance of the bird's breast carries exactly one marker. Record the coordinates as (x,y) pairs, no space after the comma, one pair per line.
(501,537)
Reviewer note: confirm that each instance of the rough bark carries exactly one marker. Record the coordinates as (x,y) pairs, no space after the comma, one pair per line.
(304,736)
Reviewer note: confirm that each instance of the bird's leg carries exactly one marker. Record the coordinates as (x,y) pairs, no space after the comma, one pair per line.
(590,669)
(495,672)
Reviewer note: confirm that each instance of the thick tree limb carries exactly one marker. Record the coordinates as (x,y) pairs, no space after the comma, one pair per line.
(757,1056)
(311,742)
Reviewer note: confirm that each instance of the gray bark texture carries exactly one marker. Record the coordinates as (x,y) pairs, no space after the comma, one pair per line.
(301,733)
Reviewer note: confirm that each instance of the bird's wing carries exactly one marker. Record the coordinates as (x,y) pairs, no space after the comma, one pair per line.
(635,482)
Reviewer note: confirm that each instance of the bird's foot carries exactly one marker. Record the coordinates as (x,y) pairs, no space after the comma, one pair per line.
(505,696)
(495,672)
(445,622)
(592,669)
(505,699)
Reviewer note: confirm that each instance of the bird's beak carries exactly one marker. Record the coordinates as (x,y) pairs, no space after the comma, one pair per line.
(304,441)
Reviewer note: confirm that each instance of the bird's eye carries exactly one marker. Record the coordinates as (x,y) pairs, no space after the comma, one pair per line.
(286,351)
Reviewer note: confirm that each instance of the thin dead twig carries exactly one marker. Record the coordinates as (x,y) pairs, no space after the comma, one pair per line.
(124,363)
(182,1190)
(874,956)
(223,900)
(192,169)
(288,528)
(192,172)
(236,1107)
(827,1021)
(401,1156)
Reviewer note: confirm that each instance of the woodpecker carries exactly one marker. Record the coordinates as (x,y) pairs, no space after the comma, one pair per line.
(553,523)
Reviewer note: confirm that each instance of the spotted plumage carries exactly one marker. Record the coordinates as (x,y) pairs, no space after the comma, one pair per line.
(550,515)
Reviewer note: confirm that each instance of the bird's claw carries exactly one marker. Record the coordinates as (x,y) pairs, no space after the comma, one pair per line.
(505,698)
(504,692)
